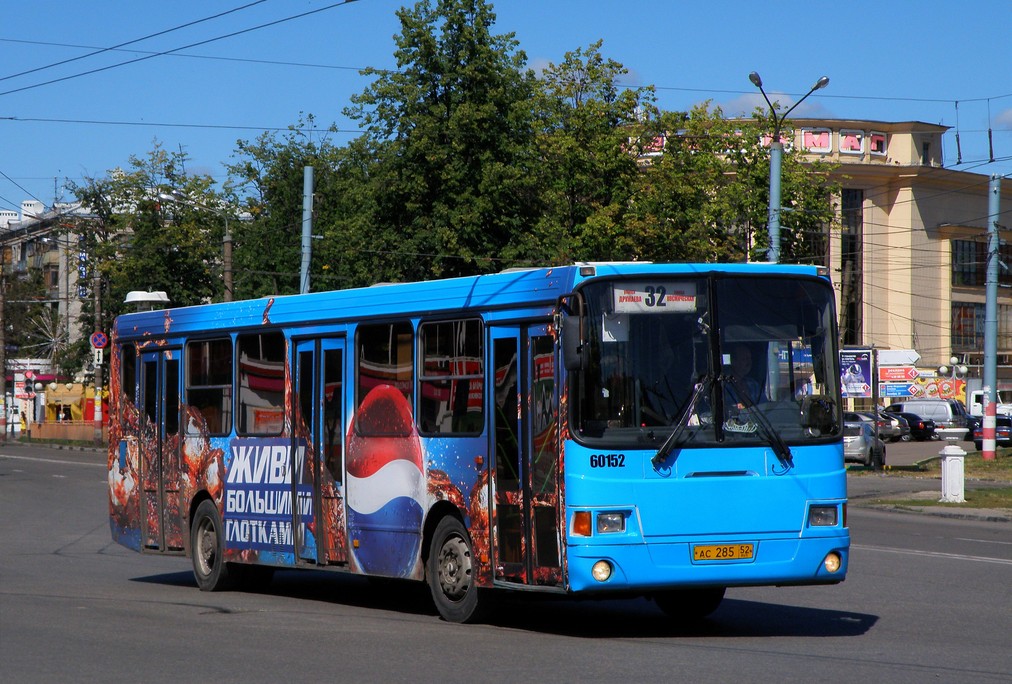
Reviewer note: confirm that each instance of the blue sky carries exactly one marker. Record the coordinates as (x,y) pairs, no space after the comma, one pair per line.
(936,61)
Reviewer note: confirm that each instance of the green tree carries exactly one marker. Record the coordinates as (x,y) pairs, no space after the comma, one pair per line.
(269,172)
(706,197)
(456,179)
(139,241)
(588,142)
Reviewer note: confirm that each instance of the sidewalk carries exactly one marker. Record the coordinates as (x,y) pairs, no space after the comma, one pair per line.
(865,490)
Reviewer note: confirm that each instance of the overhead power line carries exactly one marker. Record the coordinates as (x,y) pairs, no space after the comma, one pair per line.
(98,51)
(183,47)
(165,124)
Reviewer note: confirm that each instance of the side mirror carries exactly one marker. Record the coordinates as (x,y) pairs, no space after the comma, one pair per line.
(573,356)
(818,412)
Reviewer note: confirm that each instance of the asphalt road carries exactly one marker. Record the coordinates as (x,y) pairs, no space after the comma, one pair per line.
(926,599)
(908,453)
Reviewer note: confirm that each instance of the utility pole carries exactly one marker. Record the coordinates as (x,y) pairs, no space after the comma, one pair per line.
(991,320)
(307,228)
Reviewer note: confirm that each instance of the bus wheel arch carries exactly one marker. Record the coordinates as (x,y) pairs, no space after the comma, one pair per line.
(207,548)
(451,570)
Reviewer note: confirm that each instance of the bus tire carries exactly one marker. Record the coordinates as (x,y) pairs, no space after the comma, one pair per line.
(690,604)
(449,572)
(206,547)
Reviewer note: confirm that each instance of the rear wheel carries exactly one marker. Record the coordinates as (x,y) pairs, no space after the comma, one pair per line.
(206,545)
(690,604)
(450,572)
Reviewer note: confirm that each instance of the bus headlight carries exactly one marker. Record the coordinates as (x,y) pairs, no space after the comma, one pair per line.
(601,571)
(823,516)
(610,522)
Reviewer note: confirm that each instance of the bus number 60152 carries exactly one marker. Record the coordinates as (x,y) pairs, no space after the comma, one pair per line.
(607,460)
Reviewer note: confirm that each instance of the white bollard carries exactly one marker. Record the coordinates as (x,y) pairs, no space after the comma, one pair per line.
(952,466)
(952,474)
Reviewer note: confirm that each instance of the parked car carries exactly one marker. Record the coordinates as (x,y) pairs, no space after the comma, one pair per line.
(921,429)
(947,413)
(891,427)
(861,445)
(1002,433)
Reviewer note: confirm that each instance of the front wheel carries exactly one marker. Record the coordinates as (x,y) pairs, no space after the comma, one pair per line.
(690,604)
(449,572)
(206,546)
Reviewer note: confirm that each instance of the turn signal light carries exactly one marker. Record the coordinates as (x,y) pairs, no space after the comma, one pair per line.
(581,523)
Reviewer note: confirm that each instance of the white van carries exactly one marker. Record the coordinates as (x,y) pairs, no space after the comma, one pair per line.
(947,413)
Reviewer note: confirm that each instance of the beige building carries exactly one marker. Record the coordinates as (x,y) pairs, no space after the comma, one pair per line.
(909,257)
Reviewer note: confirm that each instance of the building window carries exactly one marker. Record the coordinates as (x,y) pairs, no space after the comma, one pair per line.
(969,264)
(851,266)
(968,327)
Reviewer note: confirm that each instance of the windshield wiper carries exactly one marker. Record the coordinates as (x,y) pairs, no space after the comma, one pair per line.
(766,428)
(683,421)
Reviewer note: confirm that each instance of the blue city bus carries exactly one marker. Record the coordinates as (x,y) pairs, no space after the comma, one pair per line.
(598,429)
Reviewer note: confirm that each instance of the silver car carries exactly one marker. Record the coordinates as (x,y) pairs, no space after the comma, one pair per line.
(861,445)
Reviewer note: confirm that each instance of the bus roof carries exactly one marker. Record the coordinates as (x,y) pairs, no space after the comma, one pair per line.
(513,289)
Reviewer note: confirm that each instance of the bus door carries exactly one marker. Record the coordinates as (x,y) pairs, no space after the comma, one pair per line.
(319,428)
(524,434)
(162,520)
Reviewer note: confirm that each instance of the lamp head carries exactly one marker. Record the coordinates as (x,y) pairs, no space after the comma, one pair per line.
(821,83)
(757,81)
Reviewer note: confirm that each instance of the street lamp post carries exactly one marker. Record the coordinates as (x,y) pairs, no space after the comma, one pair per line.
(954,371)
(226,240)
(776,157)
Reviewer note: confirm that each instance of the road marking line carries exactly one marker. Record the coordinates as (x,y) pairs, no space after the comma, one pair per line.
(50,460)
(933,554)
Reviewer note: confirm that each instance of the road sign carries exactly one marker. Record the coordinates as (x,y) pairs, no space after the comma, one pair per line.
(899,389)
(897,373)
(99,339)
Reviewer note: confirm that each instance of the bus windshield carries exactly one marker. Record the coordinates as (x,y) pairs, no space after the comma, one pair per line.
(725,360)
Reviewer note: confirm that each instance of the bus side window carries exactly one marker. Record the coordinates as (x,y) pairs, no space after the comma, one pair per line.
(209,382)
(261,383)
(128,373)
(385,380)
(451,377)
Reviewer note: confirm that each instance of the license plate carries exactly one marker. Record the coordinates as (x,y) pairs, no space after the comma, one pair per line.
(721,552)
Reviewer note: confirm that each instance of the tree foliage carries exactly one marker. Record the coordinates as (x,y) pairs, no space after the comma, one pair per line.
(589,137)
(456,181)
(135,239)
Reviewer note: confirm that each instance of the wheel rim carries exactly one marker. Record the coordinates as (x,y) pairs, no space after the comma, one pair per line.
(454,568)
(207,542)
